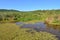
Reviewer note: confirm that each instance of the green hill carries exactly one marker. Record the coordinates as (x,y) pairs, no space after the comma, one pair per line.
(25,16)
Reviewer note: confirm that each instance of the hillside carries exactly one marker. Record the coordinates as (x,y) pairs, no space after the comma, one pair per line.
(51,16)
(9,30)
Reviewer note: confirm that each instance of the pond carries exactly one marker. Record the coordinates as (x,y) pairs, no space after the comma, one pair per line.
(40,26)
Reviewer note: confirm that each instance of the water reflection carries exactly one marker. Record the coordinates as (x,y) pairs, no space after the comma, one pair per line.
(41,26)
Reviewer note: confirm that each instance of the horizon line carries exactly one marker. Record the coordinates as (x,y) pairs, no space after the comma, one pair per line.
(28,10)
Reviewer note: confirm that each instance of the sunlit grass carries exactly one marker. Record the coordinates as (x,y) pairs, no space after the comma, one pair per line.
(10,31)
(33,35)
(32,21)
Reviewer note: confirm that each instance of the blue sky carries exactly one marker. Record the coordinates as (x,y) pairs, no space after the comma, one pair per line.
(27,5)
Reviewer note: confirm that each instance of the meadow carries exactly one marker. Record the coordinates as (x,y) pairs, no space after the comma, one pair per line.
(48,16)
(10,31)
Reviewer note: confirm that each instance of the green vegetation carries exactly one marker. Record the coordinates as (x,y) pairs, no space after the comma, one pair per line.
(10,31)
(40,15)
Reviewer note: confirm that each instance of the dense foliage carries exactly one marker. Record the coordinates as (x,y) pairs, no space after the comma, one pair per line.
(10,31)
(41,15)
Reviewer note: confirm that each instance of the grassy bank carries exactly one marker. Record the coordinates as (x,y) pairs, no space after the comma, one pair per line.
(10,31)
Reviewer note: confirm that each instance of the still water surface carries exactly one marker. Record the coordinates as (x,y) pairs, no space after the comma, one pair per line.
(40,26)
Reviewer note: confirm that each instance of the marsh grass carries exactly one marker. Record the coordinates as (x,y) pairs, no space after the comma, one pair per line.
(10,31)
